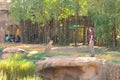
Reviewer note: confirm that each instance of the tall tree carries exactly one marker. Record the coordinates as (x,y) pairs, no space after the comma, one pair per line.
(105,16)
(50,15)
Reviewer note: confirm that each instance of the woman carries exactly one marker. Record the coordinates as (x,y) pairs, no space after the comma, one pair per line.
(91,41)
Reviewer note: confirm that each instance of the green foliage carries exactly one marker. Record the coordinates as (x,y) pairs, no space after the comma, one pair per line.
(16,67)
(48,14)
(43,10)
(104,13)
(105,16)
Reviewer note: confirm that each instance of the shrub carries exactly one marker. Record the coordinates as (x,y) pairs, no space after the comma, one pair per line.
(16,67)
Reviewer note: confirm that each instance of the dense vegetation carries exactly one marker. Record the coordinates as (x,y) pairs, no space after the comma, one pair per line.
(16,68)
(106,17)
(50,19)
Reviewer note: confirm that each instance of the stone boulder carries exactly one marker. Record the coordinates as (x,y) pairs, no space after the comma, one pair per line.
(11,51)
(69,68)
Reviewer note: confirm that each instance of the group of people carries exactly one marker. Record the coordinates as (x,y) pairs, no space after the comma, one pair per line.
(12,38)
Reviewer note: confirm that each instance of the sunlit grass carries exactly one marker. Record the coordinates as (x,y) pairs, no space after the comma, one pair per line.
(102,52)
(26,78)
(114,61)
(32,78)
(97,51)
(47,54)
(16,67)
(113,54)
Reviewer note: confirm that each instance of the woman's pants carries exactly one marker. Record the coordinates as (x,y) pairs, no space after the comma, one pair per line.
(91,48)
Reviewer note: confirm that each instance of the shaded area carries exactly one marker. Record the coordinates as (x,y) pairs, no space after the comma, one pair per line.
(0,54)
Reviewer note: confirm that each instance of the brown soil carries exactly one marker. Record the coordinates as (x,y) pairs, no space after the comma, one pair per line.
(76,51)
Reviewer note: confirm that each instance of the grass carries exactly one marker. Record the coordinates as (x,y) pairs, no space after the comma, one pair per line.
(46,54)
(17,66)
(116,54)
(1,48)
(106,55)
(97,51)
(102,52)
(116,61)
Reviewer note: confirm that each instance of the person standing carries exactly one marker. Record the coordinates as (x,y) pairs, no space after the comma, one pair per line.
(91,42)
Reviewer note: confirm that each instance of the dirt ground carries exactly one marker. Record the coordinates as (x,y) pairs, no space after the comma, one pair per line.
(77,51)
(41,47)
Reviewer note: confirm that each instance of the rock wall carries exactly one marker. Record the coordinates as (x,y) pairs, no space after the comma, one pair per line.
(110,71)
(5,22)
(69,68)
(77,68)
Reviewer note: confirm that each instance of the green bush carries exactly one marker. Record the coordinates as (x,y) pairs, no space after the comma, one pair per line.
(16,67)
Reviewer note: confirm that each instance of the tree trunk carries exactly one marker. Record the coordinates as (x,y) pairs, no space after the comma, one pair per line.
(114,35)
(84,35)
